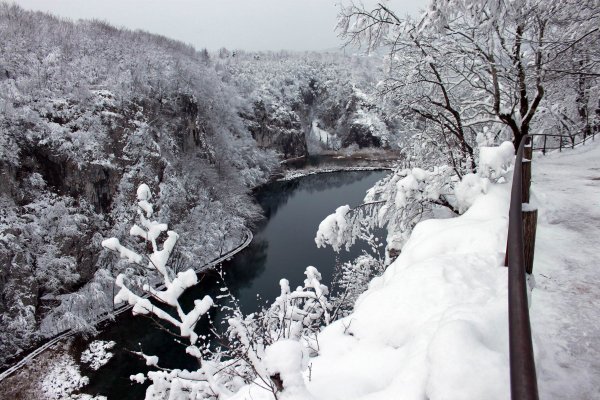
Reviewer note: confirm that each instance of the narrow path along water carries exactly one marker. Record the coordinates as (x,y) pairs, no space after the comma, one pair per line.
(283,246)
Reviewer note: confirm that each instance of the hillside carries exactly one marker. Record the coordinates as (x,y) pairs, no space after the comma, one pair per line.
(89,111)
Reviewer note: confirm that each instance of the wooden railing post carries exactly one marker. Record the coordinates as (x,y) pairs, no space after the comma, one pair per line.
(526,169)
(560,144)
(529,230)
(544,149)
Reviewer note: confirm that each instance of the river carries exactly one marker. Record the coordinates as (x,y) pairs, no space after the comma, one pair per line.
(283,246)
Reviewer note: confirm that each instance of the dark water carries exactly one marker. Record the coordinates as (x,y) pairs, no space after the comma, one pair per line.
(283,247)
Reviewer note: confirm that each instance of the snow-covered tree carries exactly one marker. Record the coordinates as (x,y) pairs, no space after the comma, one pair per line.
(468,64)
(465,75)
(407,196)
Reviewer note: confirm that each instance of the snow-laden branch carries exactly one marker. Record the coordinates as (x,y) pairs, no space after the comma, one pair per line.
(158,259)
(266,349)
(407,196)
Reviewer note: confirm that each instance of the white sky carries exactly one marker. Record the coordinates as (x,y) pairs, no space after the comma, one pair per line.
(235,24)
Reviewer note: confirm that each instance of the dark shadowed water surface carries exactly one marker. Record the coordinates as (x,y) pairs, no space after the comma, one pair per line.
(283,247)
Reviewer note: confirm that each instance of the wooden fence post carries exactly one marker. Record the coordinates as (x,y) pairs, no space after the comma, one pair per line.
(529,230)
(560,144)
(526,168)
(529,214)
(544,149)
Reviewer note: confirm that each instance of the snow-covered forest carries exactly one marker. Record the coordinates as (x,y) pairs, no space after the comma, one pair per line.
(101,126)
(89,111)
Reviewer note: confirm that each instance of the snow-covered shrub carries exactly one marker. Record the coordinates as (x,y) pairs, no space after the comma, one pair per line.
(397,203)
(62,379)
(172,287)
(97,354)
(352,280)
(407,196)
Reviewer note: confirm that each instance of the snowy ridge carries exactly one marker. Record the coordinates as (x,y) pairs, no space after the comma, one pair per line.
(123,308)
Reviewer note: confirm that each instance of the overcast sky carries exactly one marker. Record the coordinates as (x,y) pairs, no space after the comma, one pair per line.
(235,24)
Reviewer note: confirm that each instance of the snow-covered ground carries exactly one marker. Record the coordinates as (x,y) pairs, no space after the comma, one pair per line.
(565,310)
(295,174)
(434,325)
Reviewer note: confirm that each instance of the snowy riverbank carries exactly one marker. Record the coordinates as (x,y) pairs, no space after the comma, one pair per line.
(434,325)
(295,174)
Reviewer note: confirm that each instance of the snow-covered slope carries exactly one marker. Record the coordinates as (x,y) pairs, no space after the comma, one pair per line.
(565,309)
(435,324)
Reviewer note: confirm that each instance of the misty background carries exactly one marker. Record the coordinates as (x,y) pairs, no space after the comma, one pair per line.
(253,25)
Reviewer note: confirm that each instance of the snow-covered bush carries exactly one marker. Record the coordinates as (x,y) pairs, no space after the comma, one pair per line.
(173,285)
(62,379)
(397,203)
(352,279)
(407,196)
(97,354)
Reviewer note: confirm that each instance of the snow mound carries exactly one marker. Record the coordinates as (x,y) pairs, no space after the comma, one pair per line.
(286,359)
(494,162)
(468,189)
(144,193)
